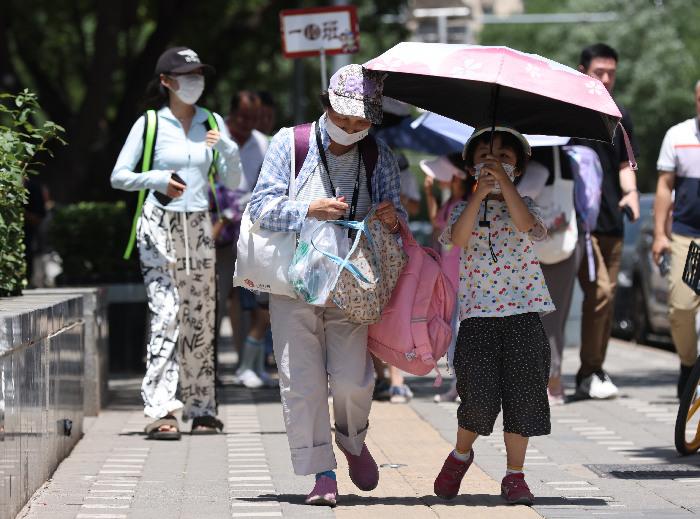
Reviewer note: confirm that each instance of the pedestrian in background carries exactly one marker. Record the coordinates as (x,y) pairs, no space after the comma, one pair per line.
(456,186)
(243,118)
(539,180)
(267,123)
(176,247)
(410,194)
(619,191)
(679,171)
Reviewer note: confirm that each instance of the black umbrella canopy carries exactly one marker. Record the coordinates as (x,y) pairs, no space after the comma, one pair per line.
(479,104)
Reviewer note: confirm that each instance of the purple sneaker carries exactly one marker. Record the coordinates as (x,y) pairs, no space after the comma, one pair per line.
(325,492)
(363,469)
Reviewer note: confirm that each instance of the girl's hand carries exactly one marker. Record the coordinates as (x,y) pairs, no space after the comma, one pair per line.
(213,136)
(484,186)
(495,168)
(428,183)
(175,189)
(386,212)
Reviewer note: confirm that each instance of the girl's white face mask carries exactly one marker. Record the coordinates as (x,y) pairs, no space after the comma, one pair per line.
(508,168)
(190,88)
(337,134)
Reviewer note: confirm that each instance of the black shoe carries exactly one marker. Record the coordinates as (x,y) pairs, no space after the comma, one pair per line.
(382,390)
(683,379)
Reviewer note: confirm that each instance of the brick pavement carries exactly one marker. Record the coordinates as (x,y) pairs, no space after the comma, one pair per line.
(115,473)
(612,458)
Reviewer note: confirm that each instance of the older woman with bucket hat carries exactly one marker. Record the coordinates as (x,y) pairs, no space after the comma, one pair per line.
(316,347)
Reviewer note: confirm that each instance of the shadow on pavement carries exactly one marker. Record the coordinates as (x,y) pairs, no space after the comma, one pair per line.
(486,500)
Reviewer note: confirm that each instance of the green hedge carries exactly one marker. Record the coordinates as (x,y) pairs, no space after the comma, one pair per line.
(20,142)
(90,237)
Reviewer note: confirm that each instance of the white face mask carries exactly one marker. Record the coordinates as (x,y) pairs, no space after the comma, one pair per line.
(190,88)
(337,134)
(508,168)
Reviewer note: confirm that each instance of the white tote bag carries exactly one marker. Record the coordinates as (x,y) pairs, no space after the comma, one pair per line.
(264,256)
(556,205)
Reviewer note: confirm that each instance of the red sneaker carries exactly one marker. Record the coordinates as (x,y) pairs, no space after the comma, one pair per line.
(515,491)
(363,469)
(453,470)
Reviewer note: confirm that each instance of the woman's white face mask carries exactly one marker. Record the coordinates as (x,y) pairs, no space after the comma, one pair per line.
(337,134)
(508,168)
(190,88)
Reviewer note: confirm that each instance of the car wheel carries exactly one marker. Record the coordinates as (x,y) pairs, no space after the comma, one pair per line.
(641,327)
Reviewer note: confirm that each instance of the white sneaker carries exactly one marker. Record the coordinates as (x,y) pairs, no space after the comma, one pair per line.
(400,394)
(250,379)
(598,386)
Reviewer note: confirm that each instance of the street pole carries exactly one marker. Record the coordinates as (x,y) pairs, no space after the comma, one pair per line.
(340,60)
(324,72)
(299,97)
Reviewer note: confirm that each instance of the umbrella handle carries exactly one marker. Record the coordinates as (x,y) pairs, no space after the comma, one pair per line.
(628,147)
(494,106)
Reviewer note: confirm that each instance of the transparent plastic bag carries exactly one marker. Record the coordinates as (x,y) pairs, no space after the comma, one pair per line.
(312,274)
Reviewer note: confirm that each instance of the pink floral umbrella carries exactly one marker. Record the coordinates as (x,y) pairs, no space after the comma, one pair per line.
(483,86)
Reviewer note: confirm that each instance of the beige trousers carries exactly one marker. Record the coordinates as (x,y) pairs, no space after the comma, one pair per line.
(316,347)
(683,303)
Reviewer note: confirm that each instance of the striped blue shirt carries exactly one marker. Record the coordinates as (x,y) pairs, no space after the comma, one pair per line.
(289,215)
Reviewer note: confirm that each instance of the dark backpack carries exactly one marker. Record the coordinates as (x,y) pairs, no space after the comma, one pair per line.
(150,136)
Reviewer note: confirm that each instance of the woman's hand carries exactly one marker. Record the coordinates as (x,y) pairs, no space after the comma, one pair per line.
(386,212)
(213,136)
(175,189)
(327,208)
(428,184)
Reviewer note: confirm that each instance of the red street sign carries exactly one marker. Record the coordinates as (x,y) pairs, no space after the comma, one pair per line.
(306,31)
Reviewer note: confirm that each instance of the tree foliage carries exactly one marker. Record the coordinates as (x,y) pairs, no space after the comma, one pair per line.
(21,142)
(90,62)
(658,66)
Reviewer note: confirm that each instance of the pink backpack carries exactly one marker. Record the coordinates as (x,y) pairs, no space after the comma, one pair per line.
(415,330)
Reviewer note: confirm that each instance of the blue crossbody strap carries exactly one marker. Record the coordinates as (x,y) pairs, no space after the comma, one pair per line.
(344,263)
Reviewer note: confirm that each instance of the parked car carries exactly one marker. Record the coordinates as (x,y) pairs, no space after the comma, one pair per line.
(641,301)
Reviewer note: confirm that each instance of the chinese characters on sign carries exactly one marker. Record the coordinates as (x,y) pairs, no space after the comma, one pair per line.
(305,32)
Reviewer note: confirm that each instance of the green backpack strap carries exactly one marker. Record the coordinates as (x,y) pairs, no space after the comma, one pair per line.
(213,125)
(150,133)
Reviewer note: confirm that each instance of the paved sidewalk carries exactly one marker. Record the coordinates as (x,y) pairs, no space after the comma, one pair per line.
(612,458)
(115,473)
(603,459)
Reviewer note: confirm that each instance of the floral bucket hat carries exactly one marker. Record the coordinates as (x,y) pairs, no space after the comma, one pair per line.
(356,91)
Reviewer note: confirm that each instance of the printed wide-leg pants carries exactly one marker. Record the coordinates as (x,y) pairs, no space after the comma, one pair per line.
(182,302)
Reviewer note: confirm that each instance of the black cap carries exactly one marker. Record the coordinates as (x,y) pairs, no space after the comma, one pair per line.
(180,60)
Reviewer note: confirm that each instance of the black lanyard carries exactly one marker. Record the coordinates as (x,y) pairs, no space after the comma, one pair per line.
(356,190)
(485,223)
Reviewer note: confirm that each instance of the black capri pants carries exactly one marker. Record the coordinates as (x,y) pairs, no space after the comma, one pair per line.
(503,361)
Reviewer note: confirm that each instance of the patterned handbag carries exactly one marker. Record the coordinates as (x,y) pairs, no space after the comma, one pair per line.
(369,273)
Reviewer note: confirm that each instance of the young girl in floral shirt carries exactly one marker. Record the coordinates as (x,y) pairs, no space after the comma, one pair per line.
(502,354)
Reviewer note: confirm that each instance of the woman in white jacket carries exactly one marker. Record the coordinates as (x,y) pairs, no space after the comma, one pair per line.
(175,243)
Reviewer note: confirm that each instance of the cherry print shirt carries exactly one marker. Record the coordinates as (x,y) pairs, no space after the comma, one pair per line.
(512,285)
